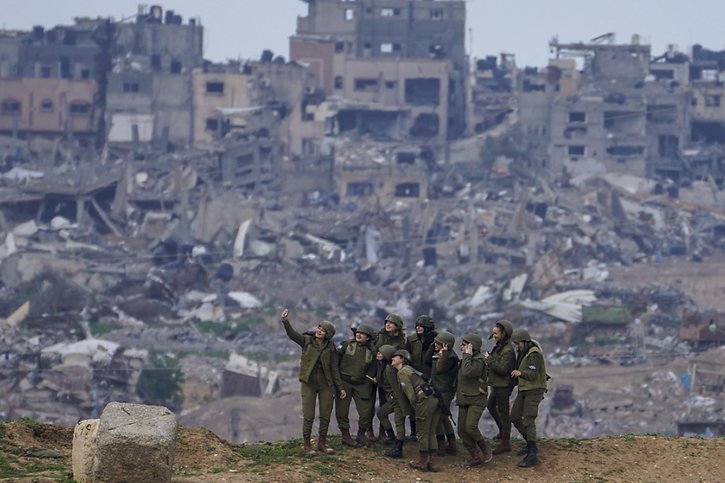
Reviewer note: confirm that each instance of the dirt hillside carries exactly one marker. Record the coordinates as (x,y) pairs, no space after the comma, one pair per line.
(202,456)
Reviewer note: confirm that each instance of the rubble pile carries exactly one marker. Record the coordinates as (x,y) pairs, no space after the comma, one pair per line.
(162,256)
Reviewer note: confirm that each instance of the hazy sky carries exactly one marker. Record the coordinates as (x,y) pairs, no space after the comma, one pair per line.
(243,28)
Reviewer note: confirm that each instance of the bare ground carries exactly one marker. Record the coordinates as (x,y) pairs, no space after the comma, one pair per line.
(202,456)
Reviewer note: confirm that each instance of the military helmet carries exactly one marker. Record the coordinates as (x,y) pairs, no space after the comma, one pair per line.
(474,340)
(403,353)
(387,351)
(395,319)
(444,337)
(521,335)
(365,329)
(425,321)
(329,328)
(507,327)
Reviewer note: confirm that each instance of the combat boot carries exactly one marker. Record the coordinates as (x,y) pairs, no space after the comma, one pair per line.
(503,447)
(346,438)
(390,440)
(421,463)
(451,448)
(322,445)
(524,450)
(532,457)
(441,445)
(486,454)
(361,439)
(370,434)
(432,463)
(308,445)
(413,431)
(475,457)
(396,451)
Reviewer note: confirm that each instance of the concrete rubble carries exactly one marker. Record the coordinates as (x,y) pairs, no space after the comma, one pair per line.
(147,261)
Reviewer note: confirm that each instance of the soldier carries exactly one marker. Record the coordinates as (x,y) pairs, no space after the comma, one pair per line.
(445,372)
(357,371)
(390,334)
(427,411)
(531,377)
(420,346)
(471,398)
(500,362)
(394,402)
(319,378)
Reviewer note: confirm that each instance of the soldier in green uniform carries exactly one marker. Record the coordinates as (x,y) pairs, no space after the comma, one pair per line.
(394,402)
(531,377)
(420,346)
(427,412)
(500,362)
(357,371)
(319,378)
(471,398)
(390,334)
(444,375)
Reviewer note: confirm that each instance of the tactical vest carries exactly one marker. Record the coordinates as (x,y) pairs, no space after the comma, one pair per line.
(539,382)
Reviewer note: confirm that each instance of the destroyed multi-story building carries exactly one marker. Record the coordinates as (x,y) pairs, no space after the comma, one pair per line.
(619,112)
(139,70)
(398,68)
(150,85)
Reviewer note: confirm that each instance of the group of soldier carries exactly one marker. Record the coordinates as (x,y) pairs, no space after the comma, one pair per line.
(418,377)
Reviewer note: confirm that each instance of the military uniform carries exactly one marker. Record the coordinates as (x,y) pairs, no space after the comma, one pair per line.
(420,346)
(357,363)
(393,402)
(427,411)
(319,377)
(397,342)
(443,376)
(499,364)
(532,386)
(471,398)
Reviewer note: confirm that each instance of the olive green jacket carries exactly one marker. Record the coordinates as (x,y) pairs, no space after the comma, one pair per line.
(384,338)
(412,386)
(445,371)
(472,380)
(356,362)
(533,369)
(421,359)
(500,364)
(312,353)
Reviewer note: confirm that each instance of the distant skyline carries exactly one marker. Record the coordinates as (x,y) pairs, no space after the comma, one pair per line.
(243,28)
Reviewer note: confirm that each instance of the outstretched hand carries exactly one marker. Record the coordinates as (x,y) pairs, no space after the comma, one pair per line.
(285,314)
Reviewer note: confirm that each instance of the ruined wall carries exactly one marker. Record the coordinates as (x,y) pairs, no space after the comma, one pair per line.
(45,105)
(173,107)
(212,91)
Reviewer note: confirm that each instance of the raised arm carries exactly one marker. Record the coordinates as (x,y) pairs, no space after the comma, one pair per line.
(291,332)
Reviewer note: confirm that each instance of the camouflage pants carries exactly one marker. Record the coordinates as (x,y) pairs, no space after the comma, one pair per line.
(498,407)
(312,390)
(524,412)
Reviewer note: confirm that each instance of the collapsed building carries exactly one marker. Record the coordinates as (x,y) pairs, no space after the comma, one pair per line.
(335,184)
